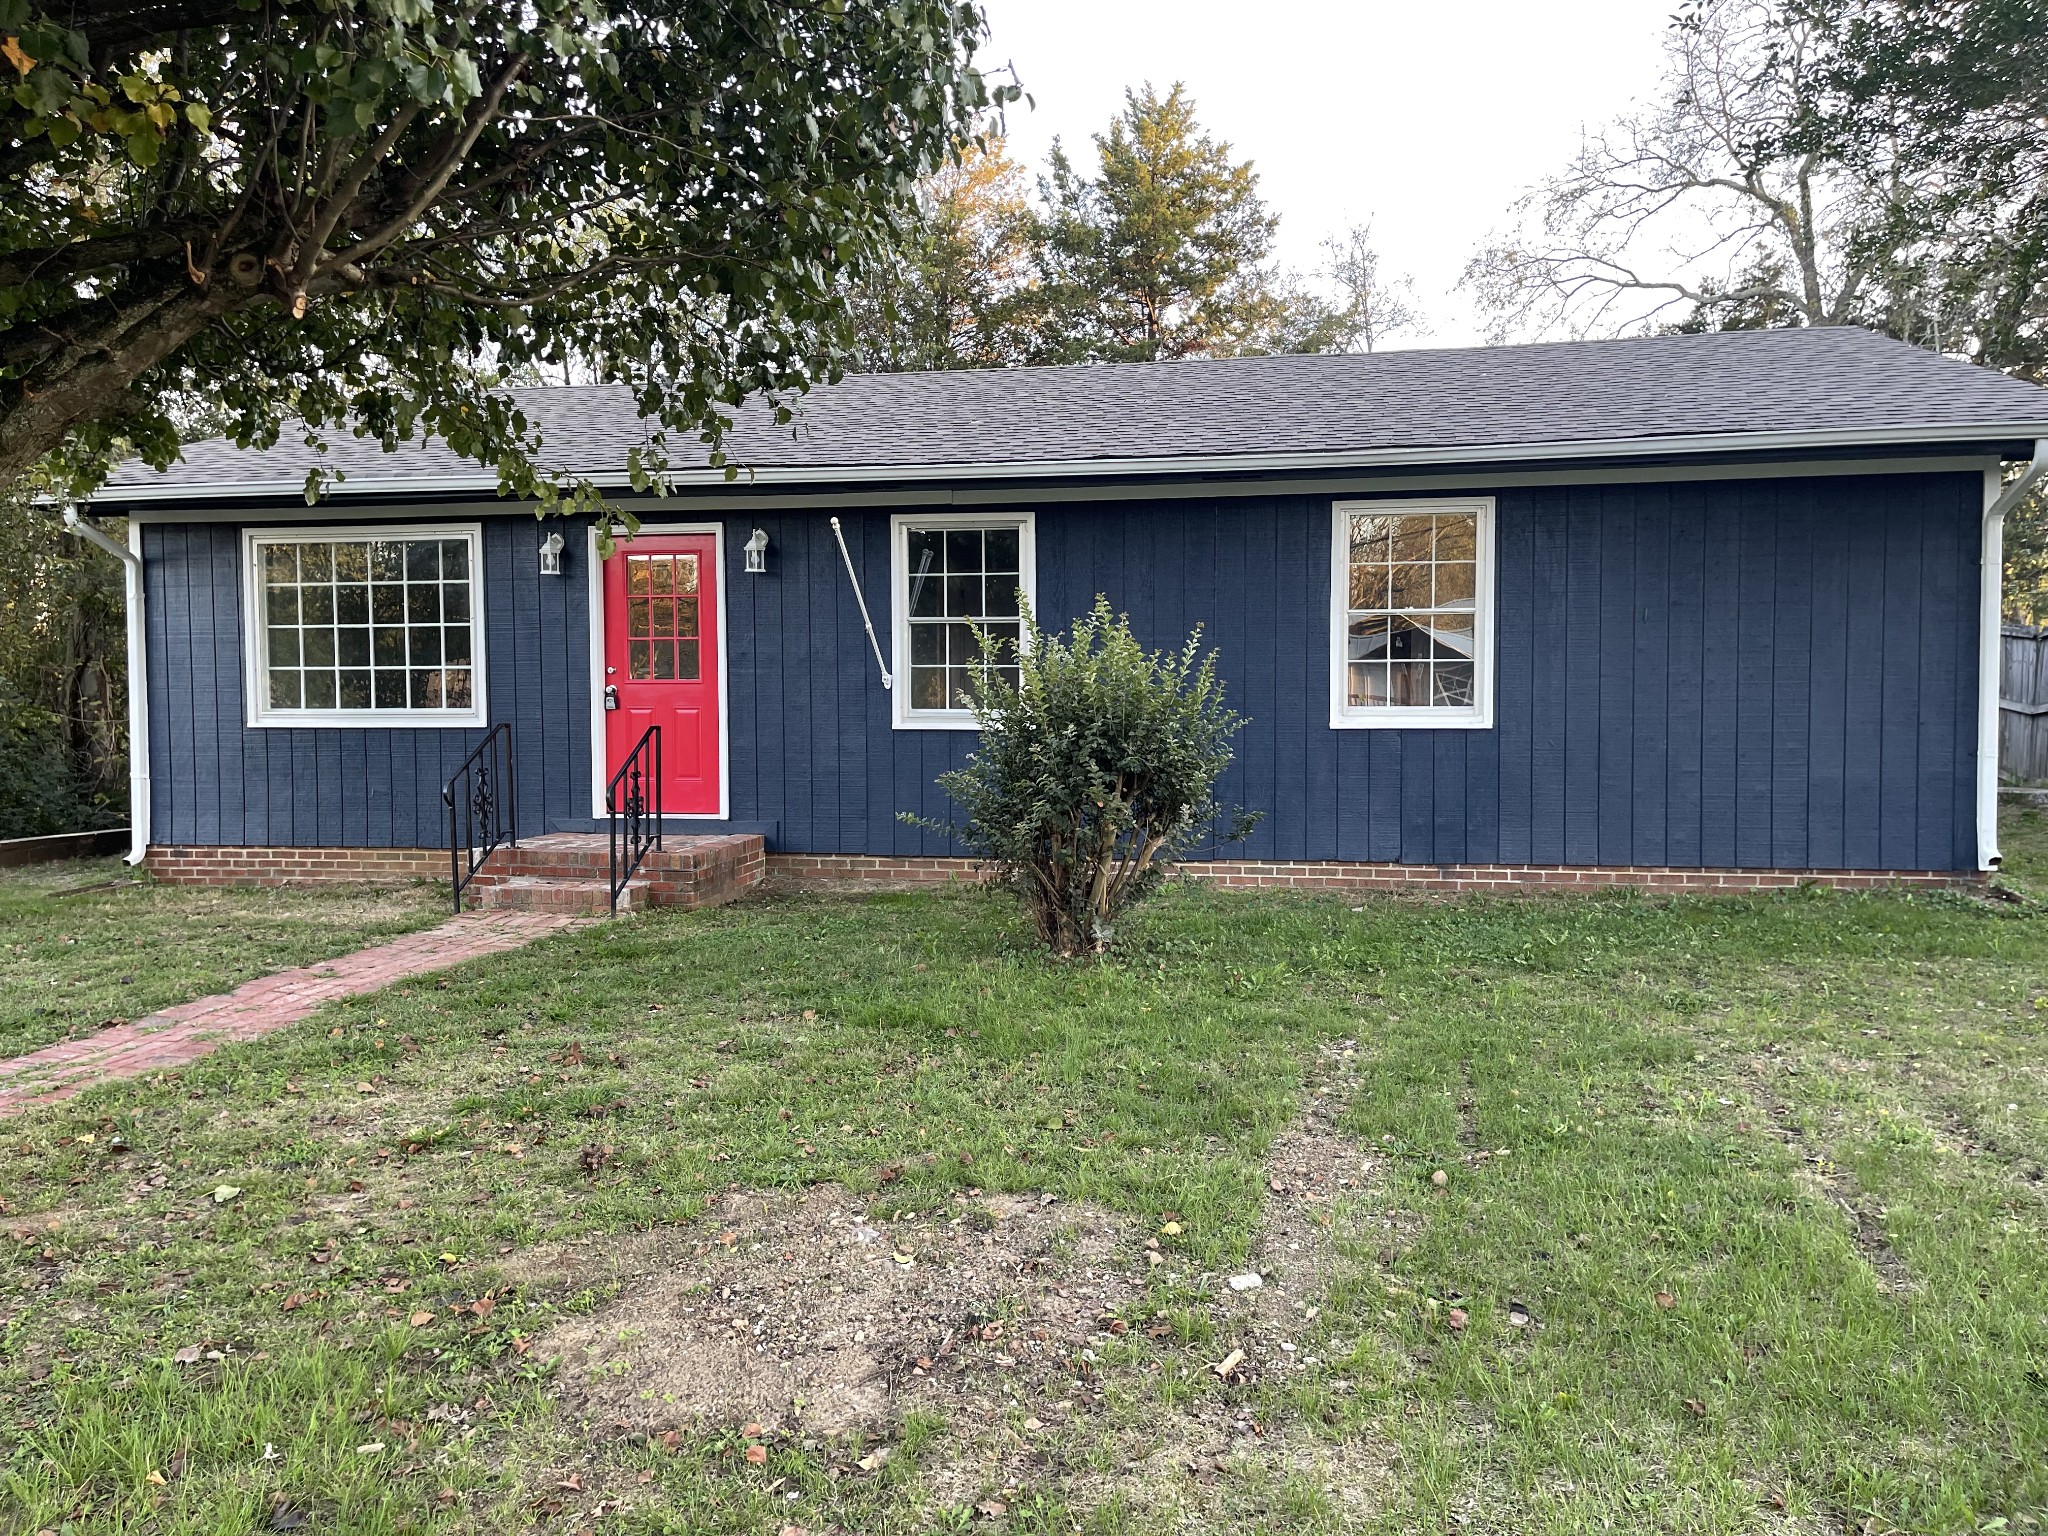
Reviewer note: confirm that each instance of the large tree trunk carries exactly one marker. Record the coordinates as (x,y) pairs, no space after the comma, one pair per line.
(87,377)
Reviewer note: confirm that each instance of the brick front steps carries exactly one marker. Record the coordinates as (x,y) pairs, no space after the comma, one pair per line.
(571,872)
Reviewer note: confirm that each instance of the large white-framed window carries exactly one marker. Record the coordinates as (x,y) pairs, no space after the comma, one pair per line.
(364,626)
(1411,613)
(948,573)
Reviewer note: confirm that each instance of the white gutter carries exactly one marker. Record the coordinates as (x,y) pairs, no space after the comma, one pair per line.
(130,557)
(1186,464)
(1990,614)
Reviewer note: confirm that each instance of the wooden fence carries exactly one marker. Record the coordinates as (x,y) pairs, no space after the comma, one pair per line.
(2023,712)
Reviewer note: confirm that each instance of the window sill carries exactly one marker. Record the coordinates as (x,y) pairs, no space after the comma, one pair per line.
(1396,719)
(366,720)
(925,720)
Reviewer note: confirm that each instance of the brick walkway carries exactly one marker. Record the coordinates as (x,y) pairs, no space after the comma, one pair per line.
(177,1036)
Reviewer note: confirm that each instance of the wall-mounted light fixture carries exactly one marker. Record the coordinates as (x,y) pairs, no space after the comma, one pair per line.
(551,555)
(757,551)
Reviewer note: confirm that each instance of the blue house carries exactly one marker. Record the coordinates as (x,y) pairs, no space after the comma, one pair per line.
(1685,610)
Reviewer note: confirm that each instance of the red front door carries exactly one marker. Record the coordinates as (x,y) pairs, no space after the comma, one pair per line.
(661,662)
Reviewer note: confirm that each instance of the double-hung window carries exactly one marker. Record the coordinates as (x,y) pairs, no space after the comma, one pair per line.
(951,575)
(365,626)
(1412,613)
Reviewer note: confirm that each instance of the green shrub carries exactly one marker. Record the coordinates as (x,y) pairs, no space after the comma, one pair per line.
(1096,769)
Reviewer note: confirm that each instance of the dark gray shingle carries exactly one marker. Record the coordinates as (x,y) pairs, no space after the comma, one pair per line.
(1549,396)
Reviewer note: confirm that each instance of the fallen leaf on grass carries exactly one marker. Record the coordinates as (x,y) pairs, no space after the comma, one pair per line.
(189,1355)
(371,1449)
(1695,1407)
(1665,1301)
(993,1509)
(757,1454)
(223,1193)
(573,1482)
(875,1460)
(1457,1319)
(1171,1229)
(421,1319)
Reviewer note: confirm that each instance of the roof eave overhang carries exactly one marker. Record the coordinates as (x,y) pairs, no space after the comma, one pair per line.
(469,482)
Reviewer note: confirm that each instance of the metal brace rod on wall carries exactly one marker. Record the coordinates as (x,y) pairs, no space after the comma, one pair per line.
(866,623)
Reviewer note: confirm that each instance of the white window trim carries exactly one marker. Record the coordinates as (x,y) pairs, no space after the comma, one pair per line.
(903,717)
(599,774)
(255,682)
(1476,716)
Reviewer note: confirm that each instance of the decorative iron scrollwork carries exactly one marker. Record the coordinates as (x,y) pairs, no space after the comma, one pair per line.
(482,808)
(632,813)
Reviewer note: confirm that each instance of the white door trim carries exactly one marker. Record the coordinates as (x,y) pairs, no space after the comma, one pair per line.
(598,776)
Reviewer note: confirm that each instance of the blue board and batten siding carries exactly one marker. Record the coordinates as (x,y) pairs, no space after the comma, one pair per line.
(1756,674)
(215,780)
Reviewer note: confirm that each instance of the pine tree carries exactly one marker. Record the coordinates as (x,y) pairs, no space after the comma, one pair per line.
(1163,254)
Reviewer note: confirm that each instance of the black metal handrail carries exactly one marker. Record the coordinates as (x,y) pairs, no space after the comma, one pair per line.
(483,808)
(631,801)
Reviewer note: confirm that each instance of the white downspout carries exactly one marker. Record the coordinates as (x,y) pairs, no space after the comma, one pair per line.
(130,556)
(1990,617)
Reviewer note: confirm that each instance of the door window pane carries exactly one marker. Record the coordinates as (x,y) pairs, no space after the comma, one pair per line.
(662,618)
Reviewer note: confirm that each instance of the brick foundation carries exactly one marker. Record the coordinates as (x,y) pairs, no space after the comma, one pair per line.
(206,865)
(719,873)
(689,872)
(1341,875)
(865,869)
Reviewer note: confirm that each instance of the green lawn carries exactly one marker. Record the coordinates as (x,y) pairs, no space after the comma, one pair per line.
(1771,1218)
(86,943)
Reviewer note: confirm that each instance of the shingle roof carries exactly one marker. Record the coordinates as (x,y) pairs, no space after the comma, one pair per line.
(1735,389)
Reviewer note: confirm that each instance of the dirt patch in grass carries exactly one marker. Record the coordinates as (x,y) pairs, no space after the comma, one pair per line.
(807,1313)
(1315,1180)
(1826,1180)
(1228,1448)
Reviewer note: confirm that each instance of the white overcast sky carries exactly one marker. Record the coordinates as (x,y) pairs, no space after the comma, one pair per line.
(1428,118)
